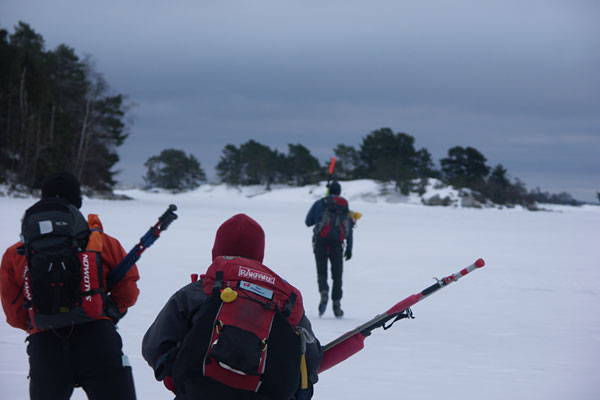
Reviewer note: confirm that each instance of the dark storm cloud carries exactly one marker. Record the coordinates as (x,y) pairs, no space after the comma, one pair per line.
(518,80)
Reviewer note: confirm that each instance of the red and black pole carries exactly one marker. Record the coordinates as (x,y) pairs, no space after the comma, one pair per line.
(351,342)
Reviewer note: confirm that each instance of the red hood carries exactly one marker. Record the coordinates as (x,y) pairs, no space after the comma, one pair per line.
(240,236)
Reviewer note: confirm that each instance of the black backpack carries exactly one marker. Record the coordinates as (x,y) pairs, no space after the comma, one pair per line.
(335,223)
(59,289)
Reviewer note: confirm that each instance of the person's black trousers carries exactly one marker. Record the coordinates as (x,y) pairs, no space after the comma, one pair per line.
(333,251)
(87,355)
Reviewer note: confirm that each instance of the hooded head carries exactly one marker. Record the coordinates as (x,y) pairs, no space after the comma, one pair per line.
(240,236)
(335,188)
(63,185)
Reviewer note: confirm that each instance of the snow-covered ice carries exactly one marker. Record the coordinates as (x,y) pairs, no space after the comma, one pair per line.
(527,326)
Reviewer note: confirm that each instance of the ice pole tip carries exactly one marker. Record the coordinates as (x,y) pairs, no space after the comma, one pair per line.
(479,263)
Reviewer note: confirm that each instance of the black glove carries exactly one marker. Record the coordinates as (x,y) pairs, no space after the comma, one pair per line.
(348,254)
(112,310)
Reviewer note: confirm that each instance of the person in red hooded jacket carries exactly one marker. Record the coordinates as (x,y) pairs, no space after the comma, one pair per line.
(239,238)
(87,355)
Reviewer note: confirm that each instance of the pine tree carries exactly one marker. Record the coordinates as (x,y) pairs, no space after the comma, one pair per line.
(465,167)
(229,168)
(386,156)
(56,114)
(301,167)
(173,170)
(347,165)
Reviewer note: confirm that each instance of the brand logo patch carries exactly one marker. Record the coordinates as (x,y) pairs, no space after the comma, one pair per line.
(86,276)
(45,227)
(26,283)
(245,272)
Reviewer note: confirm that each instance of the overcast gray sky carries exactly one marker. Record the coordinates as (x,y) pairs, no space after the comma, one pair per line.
(517,79)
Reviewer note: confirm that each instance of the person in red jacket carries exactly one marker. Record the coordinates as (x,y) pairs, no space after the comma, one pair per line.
(87,355)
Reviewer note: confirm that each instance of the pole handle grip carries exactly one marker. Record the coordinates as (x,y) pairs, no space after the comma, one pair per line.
(168,217)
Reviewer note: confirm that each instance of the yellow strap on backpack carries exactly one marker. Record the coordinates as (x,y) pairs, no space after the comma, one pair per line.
(303,372)
(303,368)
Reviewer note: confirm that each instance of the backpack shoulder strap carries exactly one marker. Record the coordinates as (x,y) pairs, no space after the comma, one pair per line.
(95,240)
(328,201)
(289,305)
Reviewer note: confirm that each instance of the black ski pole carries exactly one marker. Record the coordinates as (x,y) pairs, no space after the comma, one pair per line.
(146,241)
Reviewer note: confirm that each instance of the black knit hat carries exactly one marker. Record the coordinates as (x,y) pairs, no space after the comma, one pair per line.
(63,185)
(335,188)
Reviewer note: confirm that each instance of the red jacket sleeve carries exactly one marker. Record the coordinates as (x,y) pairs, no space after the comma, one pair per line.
(11,285)
(125,292)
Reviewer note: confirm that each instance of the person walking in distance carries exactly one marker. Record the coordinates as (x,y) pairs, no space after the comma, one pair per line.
(53,286)
(332,228)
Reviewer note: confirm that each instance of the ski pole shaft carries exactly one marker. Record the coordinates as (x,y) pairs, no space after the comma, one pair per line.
(351,342)
(331,165)
(146,241)
(415,298)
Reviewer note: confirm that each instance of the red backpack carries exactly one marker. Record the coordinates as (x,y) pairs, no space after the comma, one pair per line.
(245,338)
(335,224)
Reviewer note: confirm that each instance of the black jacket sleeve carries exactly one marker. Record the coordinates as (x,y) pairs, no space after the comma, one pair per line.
(349,238)
(314,351)
(161,341)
